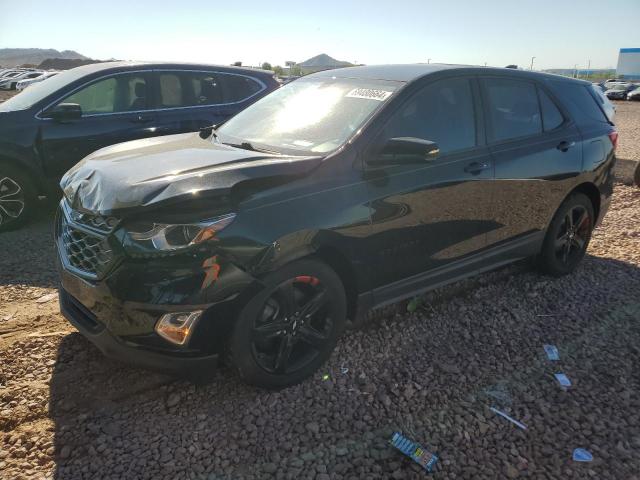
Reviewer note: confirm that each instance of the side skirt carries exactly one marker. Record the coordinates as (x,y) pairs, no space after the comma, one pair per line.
(496,257)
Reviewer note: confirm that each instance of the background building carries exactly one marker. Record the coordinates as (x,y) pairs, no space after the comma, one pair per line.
(629,63)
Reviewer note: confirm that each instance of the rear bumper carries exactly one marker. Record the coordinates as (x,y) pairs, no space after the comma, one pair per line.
(119,349)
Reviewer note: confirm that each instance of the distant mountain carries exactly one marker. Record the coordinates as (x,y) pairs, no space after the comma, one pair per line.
(11,57)
(323,61)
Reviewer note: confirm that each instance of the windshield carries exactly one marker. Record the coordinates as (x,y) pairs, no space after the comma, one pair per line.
(36,92)
(308,116)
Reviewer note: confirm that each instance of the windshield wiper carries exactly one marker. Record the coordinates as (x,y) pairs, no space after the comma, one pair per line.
(248,146)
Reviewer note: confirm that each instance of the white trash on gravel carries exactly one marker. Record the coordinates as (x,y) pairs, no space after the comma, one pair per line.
(512,420)
(552,352)
(564,381)
(582,455)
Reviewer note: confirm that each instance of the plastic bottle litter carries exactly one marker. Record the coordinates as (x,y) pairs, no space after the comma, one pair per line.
(414,451)
(512,420)
(564,381)
(582,455)
(552,352)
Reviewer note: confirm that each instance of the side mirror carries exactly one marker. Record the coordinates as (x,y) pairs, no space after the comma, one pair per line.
(406,150)
(65,111)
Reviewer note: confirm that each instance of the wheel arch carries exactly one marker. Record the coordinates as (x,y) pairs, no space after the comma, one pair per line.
(340,264)
(593,194)
(16,164)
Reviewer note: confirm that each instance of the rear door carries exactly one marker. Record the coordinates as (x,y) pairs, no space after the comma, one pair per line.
(430,214)
(537,152)
(115,109)
(187,100)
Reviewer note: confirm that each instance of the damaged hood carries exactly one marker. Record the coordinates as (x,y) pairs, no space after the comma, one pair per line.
(167,169)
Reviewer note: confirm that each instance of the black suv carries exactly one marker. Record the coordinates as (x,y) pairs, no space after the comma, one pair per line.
(339,192)
(52,125)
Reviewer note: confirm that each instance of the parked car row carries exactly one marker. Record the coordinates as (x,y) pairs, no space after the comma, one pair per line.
(617,89)
(22,84)
(10,77)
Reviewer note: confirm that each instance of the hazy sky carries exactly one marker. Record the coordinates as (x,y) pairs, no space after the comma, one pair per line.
(559,33)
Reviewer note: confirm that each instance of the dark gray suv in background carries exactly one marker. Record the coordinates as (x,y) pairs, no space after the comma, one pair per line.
(52,125)
(339,192)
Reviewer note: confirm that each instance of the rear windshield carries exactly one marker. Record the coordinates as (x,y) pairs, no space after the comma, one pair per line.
(580,102)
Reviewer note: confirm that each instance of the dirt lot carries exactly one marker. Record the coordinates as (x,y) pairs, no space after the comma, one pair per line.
(66,412)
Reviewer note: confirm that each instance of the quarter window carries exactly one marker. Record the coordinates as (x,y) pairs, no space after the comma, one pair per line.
(441,112)
(551,116)
(513,109)
(238,88)
(120,93)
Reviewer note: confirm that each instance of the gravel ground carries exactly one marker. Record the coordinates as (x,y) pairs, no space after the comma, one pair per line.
(66,412)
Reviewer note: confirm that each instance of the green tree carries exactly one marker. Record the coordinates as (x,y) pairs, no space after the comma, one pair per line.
(266,66)
(237,64)
(278,70)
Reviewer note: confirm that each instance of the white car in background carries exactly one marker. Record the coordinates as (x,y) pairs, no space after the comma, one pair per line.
(9,81)
(22,84)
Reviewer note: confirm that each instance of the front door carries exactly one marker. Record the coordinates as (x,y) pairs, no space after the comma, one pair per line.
(430,214)
(114,110)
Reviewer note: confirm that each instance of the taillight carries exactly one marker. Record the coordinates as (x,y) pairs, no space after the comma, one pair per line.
(613,136)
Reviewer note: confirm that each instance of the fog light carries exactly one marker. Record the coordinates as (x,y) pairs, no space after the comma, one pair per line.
(177,327)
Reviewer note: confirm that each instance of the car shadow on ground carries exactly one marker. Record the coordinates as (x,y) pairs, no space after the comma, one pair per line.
(114,420)
(28,253)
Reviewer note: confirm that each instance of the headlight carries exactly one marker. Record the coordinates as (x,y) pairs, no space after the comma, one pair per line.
(167,237)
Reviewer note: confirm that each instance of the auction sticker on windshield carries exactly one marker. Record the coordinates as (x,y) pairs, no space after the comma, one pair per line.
(369,93)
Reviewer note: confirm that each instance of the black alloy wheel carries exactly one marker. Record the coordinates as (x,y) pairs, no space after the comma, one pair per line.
(568,236)
(287,331)
(573,235)
(293,328)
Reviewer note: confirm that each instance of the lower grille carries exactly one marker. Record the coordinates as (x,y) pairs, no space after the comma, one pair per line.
(84,249)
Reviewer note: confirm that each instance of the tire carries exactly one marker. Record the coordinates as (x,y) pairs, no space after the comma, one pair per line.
(275,343)
(568,236)
(17,197)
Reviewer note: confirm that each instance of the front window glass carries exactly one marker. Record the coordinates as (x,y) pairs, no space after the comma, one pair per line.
(121,93)
(441,112)
(309,115)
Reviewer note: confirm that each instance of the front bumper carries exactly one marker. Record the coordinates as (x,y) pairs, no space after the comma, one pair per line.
(90,327)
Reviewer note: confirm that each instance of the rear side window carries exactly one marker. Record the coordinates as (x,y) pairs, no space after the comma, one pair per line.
(551,116)
(513,109)
(441,112)
(207,89)
(171,91)
(189,89)
(238,88)
(581,104)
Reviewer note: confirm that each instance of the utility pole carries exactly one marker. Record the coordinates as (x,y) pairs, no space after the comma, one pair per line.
(532,59)
(575,71)
(589,69)
(428,60)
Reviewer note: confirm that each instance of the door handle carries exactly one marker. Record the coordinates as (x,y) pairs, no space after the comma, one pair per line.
(564,145)
(475,168)
(141,119)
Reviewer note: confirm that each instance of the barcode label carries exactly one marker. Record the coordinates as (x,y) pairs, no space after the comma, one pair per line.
(369,94)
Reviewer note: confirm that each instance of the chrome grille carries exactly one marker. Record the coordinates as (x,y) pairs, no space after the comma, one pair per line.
(83,242)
